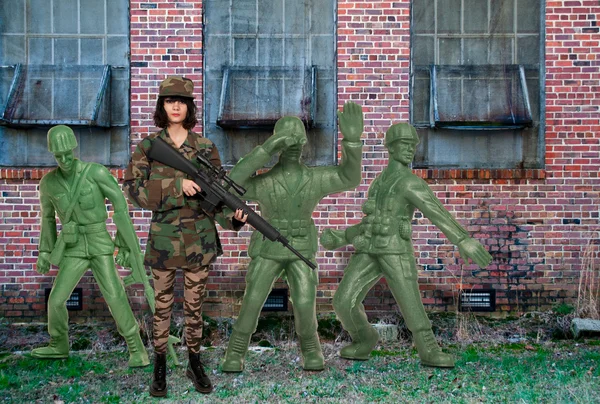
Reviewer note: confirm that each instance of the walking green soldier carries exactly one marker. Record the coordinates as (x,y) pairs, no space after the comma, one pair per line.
(383,248)
(287,195)
(77,192)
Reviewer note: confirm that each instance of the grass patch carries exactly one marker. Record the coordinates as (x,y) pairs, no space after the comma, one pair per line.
(491,368)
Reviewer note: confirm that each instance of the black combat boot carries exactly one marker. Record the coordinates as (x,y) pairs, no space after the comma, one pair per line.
(158,388)
(195,372)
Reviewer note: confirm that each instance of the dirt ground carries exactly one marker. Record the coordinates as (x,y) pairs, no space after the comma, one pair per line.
(518,359)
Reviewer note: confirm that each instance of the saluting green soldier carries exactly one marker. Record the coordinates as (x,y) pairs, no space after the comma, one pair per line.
(287,195)
(383,248)
(77,191)
(182,236)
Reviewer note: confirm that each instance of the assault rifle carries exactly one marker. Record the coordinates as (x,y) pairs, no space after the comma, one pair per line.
(214,195)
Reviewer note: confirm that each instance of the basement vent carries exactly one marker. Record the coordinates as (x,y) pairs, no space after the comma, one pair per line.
(478,300)
(74,302)
(277,300)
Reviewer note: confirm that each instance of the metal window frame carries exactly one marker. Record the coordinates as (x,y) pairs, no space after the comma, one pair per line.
(264,123)
(434,114)
(100,116)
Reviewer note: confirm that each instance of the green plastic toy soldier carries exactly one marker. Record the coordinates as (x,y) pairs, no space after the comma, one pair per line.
(287,195)
(77,191)
(383,248)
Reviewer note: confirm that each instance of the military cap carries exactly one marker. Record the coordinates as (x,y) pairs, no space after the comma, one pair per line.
(176,86)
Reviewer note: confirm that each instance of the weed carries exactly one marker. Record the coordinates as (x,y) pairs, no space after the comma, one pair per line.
(563,309)
(589,281)
(329,327)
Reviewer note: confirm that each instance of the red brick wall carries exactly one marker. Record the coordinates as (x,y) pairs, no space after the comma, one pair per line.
(537,223)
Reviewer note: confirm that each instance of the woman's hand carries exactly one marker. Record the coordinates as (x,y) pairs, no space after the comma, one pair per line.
(240,215)
(190,188)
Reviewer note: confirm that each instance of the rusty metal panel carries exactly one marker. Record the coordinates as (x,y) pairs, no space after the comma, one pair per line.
(480,97)
(52,95)
(258,97)
(64,33)
(265,59)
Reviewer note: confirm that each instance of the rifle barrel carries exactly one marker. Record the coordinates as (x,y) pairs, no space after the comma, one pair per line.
(217,195)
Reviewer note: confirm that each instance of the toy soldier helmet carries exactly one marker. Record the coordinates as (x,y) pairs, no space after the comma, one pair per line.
(61,139)
(176,86)
(401,131)
(294,125)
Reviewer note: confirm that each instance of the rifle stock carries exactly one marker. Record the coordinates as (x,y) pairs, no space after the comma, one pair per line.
(215,196)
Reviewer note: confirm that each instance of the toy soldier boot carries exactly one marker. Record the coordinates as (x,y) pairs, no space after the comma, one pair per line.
(236,351)
(58,348)
(363,342)
(138,357)
(430,352)
(158,388)
(311,352)
(195,372)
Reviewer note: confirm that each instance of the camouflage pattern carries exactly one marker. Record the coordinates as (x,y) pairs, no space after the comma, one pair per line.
(181,234)
(194,290)
(176,86)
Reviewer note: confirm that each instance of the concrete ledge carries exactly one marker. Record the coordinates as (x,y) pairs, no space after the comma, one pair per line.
(585,326)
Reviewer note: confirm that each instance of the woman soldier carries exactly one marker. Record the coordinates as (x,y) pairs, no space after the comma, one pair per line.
(181,235)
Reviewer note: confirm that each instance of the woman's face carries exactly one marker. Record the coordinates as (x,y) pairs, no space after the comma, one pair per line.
(176,110)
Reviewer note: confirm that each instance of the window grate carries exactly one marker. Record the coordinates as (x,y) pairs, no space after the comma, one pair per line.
(276,301)
(74,302)
(478,300)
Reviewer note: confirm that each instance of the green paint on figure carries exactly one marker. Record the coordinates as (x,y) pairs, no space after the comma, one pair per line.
(76,191)
(287,195)
(383,248)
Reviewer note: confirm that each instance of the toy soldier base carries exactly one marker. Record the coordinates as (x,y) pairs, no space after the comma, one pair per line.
(76,192)
(383,248)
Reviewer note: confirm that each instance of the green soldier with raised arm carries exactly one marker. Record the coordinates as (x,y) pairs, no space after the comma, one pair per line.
(77,191)
(383,248)
(287,195)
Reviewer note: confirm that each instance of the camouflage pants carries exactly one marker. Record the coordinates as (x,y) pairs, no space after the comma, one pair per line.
(194,289)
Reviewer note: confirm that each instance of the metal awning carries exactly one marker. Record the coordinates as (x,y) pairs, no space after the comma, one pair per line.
(479,97)
(51,95)
(281,91)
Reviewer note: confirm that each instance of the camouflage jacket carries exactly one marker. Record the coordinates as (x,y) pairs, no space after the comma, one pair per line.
(181,233)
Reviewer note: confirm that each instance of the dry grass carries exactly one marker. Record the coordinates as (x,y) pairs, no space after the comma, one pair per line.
(589,281)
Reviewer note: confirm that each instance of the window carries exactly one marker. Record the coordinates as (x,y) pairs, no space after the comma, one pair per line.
(265,59)
(64,62)
(476,82)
